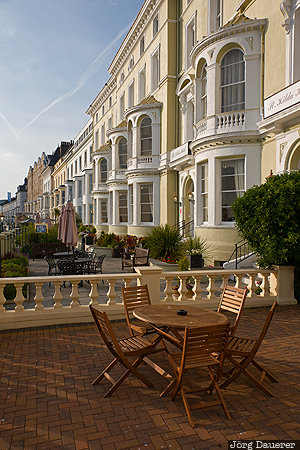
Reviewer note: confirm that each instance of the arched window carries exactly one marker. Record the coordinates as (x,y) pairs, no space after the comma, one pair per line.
(103,170)
(122,153)
(146,137)
(233,81)
(204,92)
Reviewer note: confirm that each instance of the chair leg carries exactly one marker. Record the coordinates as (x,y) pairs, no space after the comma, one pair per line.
(187,407)
(102,374)
(131,369)
(264,372)
(242,368)
(219,393)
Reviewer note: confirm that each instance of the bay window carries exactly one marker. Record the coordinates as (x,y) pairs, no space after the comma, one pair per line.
(232,185)
(233,81)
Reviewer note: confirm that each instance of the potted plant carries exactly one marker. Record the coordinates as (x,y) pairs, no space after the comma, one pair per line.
(195,247)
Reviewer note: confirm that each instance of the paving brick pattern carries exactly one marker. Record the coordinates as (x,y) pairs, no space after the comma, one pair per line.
(47,399)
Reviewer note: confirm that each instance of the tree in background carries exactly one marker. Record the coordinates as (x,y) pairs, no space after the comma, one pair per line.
(268,217)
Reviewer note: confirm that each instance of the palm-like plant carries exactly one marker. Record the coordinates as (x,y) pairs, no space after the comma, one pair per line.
(196,245)
(165,243)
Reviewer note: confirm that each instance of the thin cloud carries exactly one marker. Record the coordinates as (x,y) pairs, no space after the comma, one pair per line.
(87,74)
(7,122)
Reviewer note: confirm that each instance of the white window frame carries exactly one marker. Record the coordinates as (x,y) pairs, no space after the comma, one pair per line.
(142,45)
(190,38)
(155,25)
(124,194)
(131,94)
(141,185)
(155,69)
(122,106)
(215,20)
(142,83)
(230,190)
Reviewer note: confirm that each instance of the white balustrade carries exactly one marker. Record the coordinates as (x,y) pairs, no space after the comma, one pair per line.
(230,120)
(74,307)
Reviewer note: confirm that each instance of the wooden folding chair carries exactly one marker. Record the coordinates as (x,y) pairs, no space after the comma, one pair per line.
(233,300)
(134,346)
(241,352)
(133,297)
(202,347)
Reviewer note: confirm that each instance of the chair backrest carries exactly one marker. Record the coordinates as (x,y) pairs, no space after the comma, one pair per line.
(141,255)
(264,328)
(199,342)
(67,267)
(105,328)
(51,262)
(233,300)
(99,260)
(134,296)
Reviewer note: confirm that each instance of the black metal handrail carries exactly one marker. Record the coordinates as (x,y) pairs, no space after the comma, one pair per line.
(241,252)
(183,227)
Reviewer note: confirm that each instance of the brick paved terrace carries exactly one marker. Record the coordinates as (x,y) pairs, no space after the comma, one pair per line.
(47,399)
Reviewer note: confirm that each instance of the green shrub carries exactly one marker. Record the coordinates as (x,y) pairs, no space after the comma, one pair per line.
(267,216)
(12,267)
(184,264)
(165,243)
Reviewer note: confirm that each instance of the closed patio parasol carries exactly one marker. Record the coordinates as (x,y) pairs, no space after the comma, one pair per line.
(69,235)
(38,218)
(60,220)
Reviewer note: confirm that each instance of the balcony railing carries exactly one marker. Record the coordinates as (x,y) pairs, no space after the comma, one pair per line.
(56,304)
(143,162)
(232,121)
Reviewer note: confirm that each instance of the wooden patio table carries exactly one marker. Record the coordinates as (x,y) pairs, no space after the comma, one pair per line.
(167,316)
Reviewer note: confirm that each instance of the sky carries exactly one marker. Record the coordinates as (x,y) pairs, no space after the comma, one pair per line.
(54,61)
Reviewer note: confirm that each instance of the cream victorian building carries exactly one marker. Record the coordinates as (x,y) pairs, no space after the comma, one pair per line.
(201,104)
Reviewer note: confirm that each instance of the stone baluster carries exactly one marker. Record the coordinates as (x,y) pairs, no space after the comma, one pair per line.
(197,288)
(168,291)
(263,285)
(182,288)
(111,294)
(213,288)
(224,282)
(39,298)
(94,293)
(74,295)
(57,297)
(127,282)
(19,298)
(252,285)
(238,280)
(2,298)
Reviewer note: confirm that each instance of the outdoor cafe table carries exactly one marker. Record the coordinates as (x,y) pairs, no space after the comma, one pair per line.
(62,255)
(164,315)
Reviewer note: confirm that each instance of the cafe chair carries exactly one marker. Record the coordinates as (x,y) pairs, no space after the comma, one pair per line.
(202,348)
(52,266)
(95,265)
(136,347)
(240,352)
(140,257)
(133,297)
(232,301)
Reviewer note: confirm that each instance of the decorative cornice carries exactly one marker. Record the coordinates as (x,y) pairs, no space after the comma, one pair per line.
(136,30)
(102,96)
(225,32)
